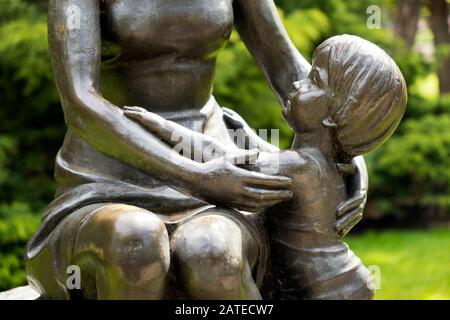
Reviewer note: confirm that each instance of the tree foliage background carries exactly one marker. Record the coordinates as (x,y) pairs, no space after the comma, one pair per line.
(409,175)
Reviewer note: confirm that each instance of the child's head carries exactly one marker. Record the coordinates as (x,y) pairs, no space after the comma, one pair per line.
(354,88)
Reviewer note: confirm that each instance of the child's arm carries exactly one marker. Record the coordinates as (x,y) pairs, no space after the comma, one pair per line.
(235,121)
(282,163)
(198,145)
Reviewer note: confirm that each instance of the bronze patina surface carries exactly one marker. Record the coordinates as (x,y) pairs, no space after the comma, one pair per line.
(140,220)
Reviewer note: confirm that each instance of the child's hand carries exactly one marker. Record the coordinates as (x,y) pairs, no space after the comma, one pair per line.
(350,212)
(197,146)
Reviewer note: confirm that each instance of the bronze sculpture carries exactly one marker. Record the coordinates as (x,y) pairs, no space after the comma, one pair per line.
(351,102)
(140,220)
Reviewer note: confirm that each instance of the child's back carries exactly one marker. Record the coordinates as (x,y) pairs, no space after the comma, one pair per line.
(308,257)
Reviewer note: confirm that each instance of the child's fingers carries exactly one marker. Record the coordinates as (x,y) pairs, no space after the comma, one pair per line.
(346,223)
(149,119)
(350,204)
(243,157)
(134,115)
(135,109)
(346,169)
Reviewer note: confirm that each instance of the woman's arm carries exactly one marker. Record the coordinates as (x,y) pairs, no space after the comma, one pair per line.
(75,50)
(262,31)
(76,56)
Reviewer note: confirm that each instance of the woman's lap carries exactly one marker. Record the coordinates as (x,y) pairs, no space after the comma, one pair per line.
(64,243)
(225,227)
(48,269)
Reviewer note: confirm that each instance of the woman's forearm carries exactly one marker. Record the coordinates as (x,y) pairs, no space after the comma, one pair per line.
(76,57)
(108,130)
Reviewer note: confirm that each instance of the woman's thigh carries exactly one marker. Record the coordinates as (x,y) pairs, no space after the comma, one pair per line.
(95,237)
(47,272)
(215,254)
(219,228)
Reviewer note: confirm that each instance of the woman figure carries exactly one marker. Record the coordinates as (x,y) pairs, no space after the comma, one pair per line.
(137,218)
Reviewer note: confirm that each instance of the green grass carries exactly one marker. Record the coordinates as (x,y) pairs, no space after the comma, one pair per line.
(413,264)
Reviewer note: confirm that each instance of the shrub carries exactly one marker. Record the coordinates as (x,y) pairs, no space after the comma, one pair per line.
(411,174)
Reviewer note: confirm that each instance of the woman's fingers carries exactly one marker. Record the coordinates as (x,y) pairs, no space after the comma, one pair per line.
(267,195)
(273,182)
(350,204)
(257,206)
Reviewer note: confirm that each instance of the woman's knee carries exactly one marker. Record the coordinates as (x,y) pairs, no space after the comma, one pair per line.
(128,239)
(208,253)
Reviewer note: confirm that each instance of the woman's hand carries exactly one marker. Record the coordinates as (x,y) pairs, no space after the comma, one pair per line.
(218,180)
(222,183)
(350,212)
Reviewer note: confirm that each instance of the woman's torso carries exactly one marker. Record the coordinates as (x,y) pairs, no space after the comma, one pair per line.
(161,54)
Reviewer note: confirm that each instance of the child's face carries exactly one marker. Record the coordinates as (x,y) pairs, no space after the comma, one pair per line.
(307,107)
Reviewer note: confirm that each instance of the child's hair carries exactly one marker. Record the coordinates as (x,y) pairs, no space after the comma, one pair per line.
(367,94)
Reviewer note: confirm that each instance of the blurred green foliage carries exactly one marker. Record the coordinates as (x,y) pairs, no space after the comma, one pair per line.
(409,175)
(31,131)
(413,264)
(17,224)
(412,171)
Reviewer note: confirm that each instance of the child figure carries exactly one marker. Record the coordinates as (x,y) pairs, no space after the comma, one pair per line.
(351,102)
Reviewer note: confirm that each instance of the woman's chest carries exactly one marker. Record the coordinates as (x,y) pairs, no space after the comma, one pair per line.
(168,25)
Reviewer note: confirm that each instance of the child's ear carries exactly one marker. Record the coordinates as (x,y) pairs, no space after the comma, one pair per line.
(329,123)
